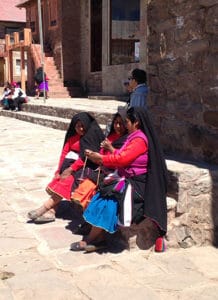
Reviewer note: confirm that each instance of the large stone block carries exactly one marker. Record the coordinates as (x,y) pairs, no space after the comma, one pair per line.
(207,3)
(211,118)
(212,21)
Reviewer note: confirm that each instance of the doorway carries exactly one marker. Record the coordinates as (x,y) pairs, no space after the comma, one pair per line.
(96,35)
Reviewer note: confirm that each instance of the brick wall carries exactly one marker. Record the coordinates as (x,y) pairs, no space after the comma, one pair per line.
(183,75)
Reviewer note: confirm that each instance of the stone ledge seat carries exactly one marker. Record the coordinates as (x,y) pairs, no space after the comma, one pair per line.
(192,189)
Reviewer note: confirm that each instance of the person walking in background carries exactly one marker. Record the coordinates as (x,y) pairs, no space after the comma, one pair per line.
(42,85)
(138,88)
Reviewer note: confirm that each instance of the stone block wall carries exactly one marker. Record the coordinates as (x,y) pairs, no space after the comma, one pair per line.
(183,75)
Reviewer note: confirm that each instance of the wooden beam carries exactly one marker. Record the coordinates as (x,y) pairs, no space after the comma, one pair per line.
(22,69)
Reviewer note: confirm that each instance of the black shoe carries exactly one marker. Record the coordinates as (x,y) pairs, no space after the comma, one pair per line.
(82,229)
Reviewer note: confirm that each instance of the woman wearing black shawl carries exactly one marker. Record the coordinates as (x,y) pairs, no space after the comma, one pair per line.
(145,172)
(82,192)
(83,132)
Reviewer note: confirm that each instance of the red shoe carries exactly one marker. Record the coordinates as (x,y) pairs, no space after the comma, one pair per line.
(160,245)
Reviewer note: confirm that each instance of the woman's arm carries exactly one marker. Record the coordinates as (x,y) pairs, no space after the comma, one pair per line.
(135,148)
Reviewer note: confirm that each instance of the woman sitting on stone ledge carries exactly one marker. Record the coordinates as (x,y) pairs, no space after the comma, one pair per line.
(140,178)
(114,139)
(83,132)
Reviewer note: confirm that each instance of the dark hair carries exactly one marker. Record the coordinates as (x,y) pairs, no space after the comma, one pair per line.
(132,116)
(139,75)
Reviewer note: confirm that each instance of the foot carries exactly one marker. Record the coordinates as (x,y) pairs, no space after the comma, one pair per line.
(33,214)
(46,218)
(78,246)
(96,246)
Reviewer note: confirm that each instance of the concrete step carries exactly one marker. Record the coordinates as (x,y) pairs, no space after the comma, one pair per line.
(66,112)
(40,119)
(44,120)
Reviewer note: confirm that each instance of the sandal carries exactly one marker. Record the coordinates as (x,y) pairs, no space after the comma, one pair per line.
(33,214)
(77,247)
(44,219)
(96,247)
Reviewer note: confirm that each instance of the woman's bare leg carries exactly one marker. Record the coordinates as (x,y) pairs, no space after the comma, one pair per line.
(95,235)
(48,205)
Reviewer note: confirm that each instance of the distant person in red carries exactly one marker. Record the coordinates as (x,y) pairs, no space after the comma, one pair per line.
(41,84)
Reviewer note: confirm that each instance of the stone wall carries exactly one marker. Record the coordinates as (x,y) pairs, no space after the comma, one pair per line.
(183,75)
(192,209)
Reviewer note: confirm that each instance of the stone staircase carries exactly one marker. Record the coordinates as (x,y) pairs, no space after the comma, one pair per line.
(56,86)
(192,200)
(56,117)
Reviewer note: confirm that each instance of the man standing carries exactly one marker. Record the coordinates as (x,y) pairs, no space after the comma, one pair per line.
(138,85)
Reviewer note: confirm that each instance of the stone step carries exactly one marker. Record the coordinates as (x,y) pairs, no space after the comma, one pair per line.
(41,119)
(66,112)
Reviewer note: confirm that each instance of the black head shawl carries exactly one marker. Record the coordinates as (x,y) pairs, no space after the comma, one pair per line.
(155,205)
(118,143)
(93,134)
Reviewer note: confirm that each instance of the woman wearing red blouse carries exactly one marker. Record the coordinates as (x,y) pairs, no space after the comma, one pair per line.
(140,169)
(82,132)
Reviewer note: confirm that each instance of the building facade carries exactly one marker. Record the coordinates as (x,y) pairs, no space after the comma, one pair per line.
(12,19)
(96,43)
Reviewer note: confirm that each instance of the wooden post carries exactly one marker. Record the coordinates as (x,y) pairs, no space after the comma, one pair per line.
(16,38)
(22,69)
(10,66)
(27,37)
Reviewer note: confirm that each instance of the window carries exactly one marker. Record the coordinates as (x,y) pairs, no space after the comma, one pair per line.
(52,9)
(17,67)
(96,35)
(125,22)
(10,31)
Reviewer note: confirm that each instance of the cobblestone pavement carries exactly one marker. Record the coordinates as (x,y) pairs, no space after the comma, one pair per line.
(35,261)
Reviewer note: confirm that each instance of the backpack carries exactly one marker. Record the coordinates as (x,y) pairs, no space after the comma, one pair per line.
(38,76)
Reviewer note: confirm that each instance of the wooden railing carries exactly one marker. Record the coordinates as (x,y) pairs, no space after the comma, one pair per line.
(16,42)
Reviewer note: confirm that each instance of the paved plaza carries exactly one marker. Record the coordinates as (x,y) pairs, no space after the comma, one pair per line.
(35,260)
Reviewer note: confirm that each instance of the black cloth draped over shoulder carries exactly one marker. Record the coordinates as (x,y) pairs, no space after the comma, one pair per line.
(155,188)
(91,139)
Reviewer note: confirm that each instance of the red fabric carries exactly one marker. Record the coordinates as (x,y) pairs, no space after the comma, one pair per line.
(62,187)
(135,148)
(112,137)
(71,145)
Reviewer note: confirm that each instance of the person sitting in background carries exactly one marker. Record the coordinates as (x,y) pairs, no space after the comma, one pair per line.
(138,88)
(83,132)
(140,178)
(16,98)
(6,93)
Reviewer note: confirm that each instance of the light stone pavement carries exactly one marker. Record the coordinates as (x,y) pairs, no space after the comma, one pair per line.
(35,261)
(82,104)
